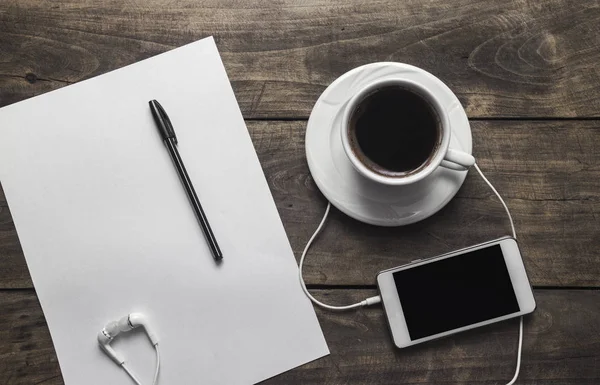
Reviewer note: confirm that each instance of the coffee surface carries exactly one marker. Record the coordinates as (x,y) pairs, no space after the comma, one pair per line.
(394,130)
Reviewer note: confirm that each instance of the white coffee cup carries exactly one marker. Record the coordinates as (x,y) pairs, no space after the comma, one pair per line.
(441,156)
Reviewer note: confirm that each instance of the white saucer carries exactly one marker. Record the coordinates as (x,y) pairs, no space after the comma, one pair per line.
(357,196)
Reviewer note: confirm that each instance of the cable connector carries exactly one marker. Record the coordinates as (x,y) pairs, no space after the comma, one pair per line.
(371,301)
(366,302)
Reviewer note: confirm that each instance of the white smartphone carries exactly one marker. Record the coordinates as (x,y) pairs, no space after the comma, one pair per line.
(435,297)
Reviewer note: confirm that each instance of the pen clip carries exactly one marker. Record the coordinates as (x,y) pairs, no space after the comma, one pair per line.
(162,121)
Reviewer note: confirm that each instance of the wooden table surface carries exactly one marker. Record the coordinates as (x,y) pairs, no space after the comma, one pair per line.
(528,75)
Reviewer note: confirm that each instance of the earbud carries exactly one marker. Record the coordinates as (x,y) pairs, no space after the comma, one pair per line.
(135,320)
(105,337)
(125,324)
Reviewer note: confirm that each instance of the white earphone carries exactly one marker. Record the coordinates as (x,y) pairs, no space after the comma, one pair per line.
(377,299)
(125,324)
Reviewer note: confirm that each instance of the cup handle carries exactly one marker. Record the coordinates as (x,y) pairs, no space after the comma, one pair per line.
(457,160)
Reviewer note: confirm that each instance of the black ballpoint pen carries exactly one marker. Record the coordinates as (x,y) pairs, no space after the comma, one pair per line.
(168,135)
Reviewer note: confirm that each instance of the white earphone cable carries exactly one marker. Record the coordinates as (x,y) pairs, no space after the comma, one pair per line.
(519,350)
(130,374)
(514,233)
(366,302)
(512,225)
(377,299)
(135,379)
(157,365)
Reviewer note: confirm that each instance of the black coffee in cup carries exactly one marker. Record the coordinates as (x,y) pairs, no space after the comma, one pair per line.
(394,131)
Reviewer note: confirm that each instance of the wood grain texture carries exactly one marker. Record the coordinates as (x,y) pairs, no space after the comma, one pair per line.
(516,59)
(26,352)
(511,59)
(548,172)
(561,346)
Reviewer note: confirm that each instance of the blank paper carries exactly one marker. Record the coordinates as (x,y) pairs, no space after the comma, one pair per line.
(107,229)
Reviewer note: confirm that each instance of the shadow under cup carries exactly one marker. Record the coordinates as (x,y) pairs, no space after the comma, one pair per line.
(394,131)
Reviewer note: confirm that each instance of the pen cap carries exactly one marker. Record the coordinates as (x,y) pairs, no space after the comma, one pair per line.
(162,121)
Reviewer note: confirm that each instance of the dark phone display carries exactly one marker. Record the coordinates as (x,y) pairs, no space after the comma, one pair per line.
(455,292)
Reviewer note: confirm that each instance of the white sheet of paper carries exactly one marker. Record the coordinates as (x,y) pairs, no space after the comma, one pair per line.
(107,229)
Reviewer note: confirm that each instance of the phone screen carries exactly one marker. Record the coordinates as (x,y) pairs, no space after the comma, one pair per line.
(455,292)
